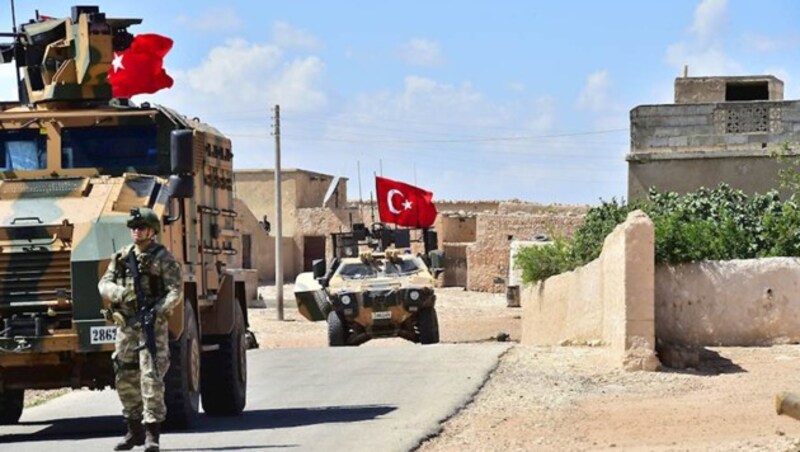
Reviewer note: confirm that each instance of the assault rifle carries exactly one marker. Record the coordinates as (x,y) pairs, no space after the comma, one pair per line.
(146,312)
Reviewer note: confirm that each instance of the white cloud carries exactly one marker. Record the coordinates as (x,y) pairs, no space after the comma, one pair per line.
(241,75)
(421,52)
(516,87)
(760,43)
(709,19)
(217,19)
(596,93)
(289,37)
(702,52)
(702,61)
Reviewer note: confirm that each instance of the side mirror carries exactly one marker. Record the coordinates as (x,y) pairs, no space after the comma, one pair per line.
(181,186)
(318,268)
(181,155)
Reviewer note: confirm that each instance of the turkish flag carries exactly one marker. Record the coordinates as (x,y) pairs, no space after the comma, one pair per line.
(403,204)
(139,68)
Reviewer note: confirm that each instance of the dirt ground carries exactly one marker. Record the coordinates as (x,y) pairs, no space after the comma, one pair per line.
(569,398)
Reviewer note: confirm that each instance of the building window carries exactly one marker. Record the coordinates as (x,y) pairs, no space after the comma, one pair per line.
(746,91)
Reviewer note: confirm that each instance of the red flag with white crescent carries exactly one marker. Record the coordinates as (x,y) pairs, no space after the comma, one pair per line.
(404,204)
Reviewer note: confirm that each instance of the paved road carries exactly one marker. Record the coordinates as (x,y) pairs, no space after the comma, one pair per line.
(343,399)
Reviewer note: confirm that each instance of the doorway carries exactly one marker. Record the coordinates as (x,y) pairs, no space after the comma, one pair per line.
(313,248)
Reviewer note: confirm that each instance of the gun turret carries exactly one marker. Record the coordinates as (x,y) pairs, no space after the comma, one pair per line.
(67,59)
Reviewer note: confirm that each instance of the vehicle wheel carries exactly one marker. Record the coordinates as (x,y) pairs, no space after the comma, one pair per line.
(11,401)
(182,382)
(428,326)
(336,332)
(224,371)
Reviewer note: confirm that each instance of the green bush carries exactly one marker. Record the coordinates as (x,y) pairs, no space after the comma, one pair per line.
(718,224)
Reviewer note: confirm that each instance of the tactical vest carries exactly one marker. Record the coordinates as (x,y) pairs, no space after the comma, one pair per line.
(149,268)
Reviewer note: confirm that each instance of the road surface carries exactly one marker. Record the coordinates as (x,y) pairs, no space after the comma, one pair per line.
(350,398)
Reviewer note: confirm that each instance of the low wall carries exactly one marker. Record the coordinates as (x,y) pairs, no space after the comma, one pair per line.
(608,301)
(738,302)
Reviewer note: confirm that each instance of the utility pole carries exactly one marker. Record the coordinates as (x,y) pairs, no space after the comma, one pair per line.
(278,215)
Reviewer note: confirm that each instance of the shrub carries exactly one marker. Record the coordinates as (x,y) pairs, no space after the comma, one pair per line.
(718,224)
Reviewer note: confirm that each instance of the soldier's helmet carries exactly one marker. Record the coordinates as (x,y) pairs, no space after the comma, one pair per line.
(143,216)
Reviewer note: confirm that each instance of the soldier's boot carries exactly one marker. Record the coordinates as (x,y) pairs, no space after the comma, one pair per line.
(134,437)
(152,431)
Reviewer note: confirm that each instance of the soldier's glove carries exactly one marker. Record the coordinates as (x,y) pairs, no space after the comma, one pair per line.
(161,310)
(127,297)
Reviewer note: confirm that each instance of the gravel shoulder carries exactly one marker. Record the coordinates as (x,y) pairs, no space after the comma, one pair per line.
(571,398)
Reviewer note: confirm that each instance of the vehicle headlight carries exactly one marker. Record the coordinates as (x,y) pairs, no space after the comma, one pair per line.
(346,299)
(413,295)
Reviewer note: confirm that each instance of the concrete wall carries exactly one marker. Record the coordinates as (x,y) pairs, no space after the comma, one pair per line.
(608,301)
(488,257)
(684,147)
(694,90)
(739,302)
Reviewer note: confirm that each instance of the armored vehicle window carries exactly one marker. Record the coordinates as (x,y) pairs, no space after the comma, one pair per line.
(357,271)
(23,150)
(402,267)
(124,147)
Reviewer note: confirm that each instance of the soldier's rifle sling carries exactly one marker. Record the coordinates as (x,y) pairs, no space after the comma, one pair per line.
(147,317)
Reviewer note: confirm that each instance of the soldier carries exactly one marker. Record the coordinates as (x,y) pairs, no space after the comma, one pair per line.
(140,379)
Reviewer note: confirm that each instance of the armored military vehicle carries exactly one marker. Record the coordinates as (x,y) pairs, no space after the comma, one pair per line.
(73,163)
(374,288)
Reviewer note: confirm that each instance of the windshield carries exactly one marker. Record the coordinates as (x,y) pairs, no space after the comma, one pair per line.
(22,150)
(128,147)
(361,270)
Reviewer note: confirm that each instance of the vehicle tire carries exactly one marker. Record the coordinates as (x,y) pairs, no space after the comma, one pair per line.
(182,382)
(428,326)
(223,372)
(336,331)
(11,402)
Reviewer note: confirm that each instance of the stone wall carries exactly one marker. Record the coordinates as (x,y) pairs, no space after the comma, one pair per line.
(487,258)
(608,301)
(738,302)
(454,228)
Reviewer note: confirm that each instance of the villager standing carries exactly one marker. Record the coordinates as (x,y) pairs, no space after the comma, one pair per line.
(143,284)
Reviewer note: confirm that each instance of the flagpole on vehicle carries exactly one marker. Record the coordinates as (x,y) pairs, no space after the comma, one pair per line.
(278,216)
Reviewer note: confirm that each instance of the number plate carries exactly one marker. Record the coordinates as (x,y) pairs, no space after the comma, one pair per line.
(103,334)
(382,315)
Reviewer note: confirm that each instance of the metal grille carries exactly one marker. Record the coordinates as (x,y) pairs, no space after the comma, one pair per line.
(34,276)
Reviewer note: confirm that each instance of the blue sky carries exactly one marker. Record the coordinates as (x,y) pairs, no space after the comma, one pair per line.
(471,100)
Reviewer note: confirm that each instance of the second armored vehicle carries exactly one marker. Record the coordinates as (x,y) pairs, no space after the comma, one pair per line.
(371,294)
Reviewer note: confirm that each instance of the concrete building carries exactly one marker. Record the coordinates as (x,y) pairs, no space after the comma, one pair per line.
(314,205)
(720,129)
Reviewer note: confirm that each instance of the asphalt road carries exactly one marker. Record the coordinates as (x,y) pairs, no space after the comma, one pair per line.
(342,399)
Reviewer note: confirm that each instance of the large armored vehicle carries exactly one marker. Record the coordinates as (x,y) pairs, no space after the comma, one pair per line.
(374,288)
(73,163)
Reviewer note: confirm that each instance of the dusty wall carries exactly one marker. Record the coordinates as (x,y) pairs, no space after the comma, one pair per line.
(487,258)
(739,302)
(456,228)
(608,301)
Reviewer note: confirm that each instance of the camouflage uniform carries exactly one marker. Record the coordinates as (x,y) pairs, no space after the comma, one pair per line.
(140,389)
